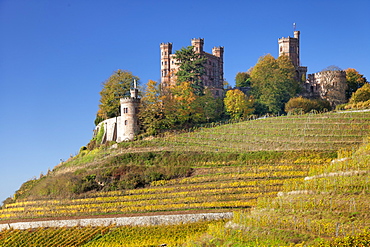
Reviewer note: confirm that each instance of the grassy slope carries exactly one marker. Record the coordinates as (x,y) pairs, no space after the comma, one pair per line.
(333,207)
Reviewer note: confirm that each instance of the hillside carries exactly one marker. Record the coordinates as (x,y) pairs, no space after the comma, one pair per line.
(200,156)
(235,166)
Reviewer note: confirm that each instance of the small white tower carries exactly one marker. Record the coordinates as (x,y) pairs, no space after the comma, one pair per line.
(128,125)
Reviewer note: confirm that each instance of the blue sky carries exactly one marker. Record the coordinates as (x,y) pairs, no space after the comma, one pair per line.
(54,56)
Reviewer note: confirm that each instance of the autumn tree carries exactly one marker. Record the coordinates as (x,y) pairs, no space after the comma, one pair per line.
(151,113)
(361,95)
(237,104)
(191,68)
(355,80)
(242,79)
(178,105)
(115,87)
(273,83)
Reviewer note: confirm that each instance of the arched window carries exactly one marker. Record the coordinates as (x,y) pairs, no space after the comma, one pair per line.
(125,122)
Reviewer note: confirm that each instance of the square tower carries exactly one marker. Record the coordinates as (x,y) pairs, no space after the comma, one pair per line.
(290,47)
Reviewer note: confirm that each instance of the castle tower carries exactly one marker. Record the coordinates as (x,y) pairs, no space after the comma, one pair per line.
(166,51)
(128,121)
(290,46)
(219,72)
(198,45)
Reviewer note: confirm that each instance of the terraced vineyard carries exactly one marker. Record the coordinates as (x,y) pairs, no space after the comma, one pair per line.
(330,131)
(214,186)
(244,167)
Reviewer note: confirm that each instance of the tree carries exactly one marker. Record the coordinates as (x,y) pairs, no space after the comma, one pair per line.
(242,79)
(354,80)
(207,108)
(151,109)
(273,83)
(361,95)
(237,104)
(191,68)
(178,105)
(117,86)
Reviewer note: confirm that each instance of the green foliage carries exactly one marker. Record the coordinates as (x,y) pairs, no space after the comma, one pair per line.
(191,68)
(273,82)
(242,79)
(95,141)
(115,87)
(361,95)
(355,80)
(303,105)
(151,113)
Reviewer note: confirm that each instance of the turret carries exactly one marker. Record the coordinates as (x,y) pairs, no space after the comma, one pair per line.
(198,44)
(218,51)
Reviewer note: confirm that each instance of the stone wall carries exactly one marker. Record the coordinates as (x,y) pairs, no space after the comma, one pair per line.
(330,85)
(121,221)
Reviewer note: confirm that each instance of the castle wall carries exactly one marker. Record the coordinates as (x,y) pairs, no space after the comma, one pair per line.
(110,128)
(329,85)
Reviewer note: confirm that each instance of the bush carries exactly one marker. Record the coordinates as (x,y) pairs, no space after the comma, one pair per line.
(361,95)
(303,105)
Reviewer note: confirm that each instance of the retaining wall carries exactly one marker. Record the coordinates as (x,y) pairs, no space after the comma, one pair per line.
(121,221)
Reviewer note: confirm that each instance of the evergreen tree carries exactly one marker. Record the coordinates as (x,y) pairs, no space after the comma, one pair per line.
(191,68)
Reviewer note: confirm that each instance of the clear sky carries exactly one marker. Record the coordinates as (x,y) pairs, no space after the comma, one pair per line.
(54,56)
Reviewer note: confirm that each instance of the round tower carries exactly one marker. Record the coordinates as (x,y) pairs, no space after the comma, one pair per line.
(129,122)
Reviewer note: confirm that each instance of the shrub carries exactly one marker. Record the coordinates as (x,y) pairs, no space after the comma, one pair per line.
(300,104)
(362,94)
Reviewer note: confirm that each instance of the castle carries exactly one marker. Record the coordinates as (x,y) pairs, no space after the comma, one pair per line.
(213,78)
(329,85)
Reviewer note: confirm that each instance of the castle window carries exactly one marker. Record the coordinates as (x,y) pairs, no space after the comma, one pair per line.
(125,122)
